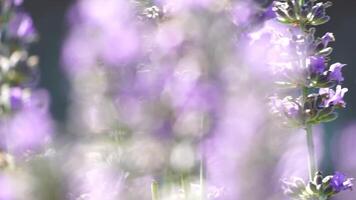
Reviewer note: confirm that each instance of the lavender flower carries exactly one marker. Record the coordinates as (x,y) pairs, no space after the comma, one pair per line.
(335,73)
(15,2)
(25,124)
(287,106)
(7,191)
(339,182)
(21,27)
(16,98)
(334,98)
(315,108)
(327,38)
(316,64)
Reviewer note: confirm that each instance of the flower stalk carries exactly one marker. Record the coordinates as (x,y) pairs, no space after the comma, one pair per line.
(320,86)
(311,152)
(154,190)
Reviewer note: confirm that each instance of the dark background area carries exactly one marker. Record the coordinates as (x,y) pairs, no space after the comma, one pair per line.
(50,20)
(343,25)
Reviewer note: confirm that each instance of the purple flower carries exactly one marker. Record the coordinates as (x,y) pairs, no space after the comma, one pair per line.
(241,13)
(335,73)
(30,128)
(16,98)
(339,182)
(16,2)
(316,64)
(12,2)
(269,13)
(7,186)
(285,106)
(327,38)
(334,97)
(21,27)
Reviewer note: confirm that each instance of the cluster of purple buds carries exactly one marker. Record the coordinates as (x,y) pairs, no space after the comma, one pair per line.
(18,70)
(306,66)
(319,188)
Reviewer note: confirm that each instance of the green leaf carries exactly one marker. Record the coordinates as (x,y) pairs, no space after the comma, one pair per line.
(328,118)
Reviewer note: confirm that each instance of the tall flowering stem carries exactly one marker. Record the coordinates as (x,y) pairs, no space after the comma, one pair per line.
(312,167)
(307,70)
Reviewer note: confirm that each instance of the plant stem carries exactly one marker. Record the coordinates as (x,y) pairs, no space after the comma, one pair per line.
(202,164)
(154,190)
(184,186)
(311,152)
(308,127)
(310,142)
(201,177)
(323,198)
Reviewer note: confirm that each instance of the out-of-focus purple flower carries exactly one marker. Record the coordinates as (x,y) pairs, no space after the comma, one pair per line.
(30,128)
(174,6)
(169,36)
(7,191)
(335,72)
(339,182)
(285,106)
(241,13)
(13,2)
(269,13)
(269,52)
(316,64)
(97,37)
(18,2)
(120,44)
(225,150)
(21,27)
(101,13)
(327,38)
(334,97)
(16,98)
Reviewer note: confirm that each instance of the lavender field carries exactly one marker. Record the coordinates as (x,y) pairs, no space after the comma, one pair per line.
(177,100)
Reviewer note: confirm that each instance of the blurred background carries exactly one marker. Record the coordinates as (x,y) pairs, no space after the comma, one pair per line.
(50,19)
(51,22)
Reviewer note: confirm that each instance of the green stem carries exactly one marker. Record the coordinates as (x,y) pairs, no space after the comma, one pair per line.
(308,127)
(184,186)
(201,176)
(323,198)
(154,190)
(301,3)
(311,152)
(310,142)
